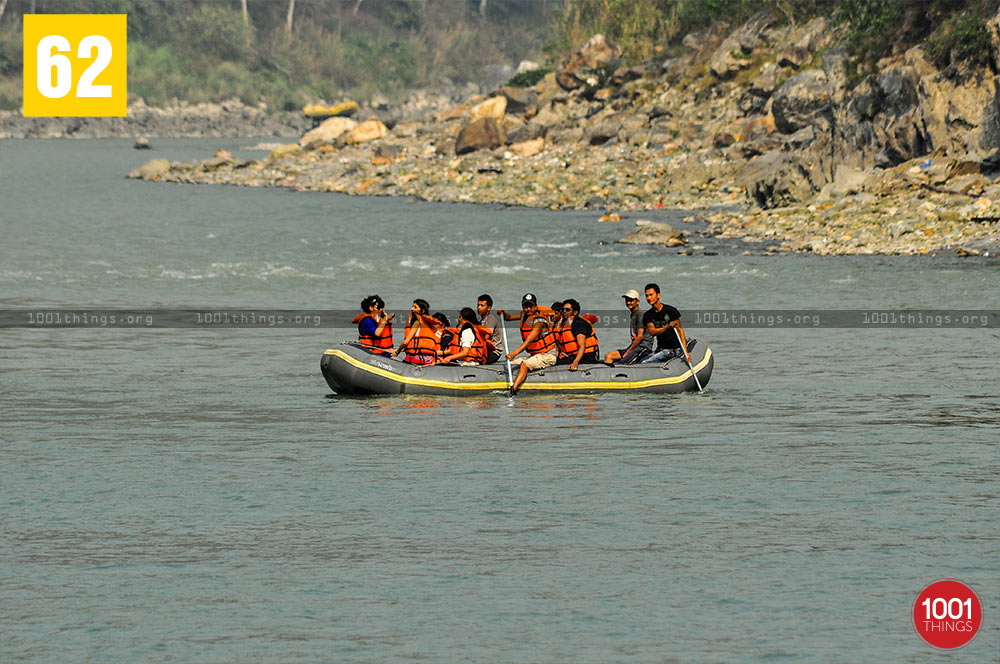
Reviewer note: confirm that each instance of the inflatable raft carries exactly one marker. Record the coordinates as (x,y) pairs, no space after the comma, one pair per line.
(352,369)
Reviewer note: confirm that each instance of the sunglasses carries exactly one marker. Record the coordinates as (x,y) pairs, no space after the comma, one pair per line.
(567,310)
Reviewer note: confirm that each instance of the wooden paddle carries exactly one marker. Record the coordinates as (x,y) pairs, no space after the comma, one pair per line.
(684,351)
(510,376)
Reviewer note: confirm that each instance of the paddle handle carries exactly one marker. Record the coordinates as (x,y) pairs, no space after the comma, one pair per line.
(687,357)
(510,375)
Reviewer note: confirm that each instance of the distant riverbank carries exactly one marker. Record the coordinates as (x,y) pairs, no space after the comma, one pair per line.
(226,120)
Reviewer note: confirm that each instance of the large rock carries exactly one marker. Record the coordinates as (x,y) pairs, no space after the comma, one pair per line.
(598,51)
(494,107)
(484,133)
(367,131)
(528,148)
(603,132)
(800,101)
(754,98)
(283,151)
(527,132)
(327,132)
(734,52)
(775,179)
(520,100)
(816,35)
(151,169)
(846,181)
(650,232)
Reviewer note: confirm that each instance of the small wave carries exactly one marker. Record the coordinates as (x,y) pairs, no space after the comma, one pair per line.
(355,264)
(638,270)
(19,275)
(553,245)
(509,269)
(99,263)
(469,243)
(180,275)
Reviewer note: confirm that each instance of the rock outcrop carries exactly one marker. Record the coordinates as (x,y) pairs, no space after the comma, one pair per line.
(484,133)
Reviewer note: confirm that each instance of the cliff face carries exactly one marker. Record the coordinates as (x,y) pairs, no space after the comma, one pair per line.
(772,108)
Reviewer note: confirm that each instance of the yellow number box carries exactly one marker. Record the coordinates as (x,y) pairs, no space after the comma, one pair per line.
(74,65)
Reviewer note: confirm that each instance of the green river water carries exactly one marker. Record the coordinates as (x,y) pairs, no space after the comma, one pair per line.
(198,495)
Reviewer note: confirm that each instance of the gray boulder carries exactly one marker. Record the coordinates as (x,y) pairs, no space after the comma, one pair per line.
(733,54)
(527,132)
(649,232)
(603,133)
(802,99)
(775,179)
(520,100)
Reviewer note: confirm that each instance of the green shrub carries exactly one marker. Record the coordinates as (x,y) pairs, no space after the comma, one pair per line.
(526,79)
(964,39)
(11,61)
(217,32)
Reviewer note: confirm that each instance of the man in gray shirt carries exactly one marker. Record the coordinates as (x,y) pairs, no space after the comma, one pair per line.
(484,306)
(642,343)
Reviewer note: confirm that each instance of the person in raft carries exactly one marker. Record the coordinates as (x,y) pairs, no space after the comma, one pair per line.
(537,338)
(374,325)
(658,324)
(642,343)
(423,335)
(448,333)
(575,338)
(484,306)
(471,344)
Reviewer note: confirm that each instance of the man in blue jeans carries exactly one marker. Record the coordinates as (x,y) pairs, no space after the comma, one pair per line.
(657,321)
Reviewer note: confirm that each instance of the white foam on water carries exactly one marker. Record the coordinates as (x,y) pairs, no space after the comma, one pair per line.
(509,269)
(553,245)
(355,264)
(656,269)
(19,275)
(415,264)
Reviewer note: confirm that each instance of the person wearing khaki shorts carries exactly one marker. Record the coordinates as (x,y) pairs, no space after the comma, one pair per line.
(537,338)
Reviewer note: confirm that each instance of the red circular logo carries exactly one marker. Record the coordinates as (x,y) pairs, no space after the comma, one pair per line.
(947,614)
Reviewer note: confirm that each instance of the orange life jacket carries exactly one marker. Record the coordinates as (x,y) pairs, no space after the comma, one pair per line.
(566,340)
(546,341)
(482,346)
(427,340)
(381,343)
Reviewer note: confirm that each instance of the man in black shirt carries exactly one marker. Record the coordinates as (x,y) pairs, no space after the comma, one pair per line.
(657,321)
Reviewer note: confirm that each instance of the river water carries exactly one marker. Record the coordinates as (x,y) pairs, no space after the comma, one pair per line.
(178,495)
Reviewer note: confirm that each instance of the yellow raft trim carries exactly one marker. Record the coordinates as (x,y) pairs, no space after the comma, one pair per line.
(528,385)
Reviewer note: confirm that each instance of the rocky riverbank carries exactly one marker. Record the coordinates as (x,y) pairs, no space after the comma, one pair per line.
(762,117)
(231,119)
